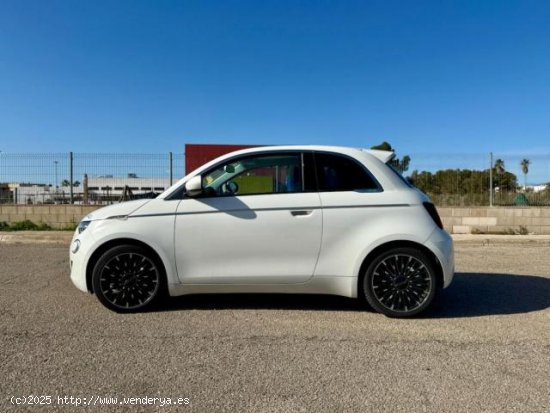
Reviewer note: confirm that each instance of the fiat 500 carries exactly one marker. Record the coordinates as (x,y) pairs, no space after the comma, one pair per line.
(289,219)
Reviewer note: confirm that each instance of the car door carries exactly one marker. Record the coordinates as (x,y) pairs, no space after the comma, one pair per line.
(258,221)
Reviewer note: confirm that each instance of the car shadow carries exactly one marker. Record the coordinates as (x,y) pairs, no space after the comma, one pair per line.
(483,294)
(301,302)
(470,295)
(229,205)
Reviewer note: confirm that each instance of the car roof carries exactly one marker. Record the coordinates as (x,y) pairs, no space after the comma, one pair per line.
(384,156)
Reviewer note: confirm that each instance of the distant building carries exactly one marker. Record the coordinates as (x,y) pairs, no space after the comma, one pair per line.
(31,193)
(537,188)
(101,190)
(112,188)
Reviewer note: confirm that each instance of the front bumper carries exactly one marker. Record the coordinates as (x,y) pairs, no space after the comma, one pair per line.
(79,259)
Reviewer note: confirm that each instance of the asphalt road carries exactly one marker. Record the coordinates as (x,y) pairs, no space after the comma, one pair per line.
(484,347)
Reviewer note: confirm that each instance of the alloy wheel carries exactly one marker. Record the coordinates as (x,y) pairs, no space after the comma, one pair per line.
(129,280)
(401,283)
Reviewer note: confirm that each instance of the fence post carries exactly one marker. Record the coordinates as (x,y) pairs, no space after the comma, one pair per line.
(71,176)
(85,190)
(491,179)
(171,161)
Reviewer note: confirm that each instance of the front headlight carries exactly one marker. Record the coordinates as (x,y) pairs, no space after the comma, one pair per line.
(82,226)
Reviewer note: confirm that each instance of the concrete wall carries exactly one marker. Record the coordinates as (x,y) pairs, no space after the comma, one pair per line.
(57,216)
(496,220)
(456,220)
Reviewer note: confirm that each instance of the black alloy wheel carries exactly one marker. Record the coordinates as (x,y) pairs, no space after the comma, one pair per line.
(127,278)
(401,282)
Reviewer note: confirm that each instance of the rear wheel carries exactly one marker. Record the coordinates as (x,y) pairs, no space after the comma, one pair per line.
(128,278)
(400,282)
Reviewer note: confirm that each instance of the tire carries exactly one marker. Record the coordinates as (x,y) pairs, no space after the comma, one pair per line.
(400,282)
(128,278)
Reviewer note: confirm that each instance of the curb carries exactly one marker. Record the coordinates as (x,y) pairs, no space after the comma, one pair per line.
(486,239)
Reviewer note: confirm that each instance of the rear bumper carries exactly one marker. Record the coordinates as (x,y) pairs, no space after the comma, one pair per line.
(441,243)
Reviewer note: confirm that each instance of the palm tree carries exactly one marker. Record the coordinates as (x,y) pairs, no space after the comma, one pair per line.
(499,166)
(499,169)
(66,182)
(525,169)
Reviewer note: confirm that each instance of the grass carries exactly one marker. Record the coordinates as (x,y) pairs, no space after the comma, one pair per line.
(28,225)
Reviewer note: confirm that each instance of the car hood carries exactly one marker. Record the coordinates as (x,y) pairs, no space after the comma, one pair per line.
(116,210)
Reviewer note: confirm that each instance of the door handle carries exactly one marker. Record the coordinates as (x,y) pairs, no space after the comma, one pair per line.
(301,213)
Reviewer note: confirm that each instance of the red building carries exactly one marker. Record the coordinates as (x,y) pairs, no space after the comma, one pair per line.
(198,154)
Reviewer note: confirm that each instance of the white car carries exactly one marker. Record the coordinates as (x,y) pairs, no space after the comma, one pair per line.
(288,219)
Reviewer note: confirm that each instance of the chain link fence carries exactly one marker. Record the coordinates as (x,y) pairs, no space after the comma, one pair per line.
(85,178)
(103,178)
(467,179)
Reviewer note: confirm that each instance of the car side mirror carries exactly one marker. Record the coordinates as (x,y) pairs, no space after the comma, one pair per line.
(193,187)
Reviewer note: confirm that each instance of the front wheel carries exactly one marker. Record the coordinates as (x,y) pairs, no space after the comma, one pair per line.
(127,278)
(400,282)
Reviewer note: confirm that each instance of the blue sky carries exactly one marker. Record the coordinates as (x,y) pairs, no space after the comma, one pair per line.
(149,76)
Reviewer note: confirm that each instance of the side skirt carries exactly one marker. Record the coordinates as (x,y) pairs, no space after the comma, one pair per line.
(343,286)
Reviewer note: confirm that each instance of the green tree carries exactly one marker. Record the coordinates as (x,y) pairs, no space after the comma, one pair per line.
(402,165)
(459,181)
(384,146)
(525,169)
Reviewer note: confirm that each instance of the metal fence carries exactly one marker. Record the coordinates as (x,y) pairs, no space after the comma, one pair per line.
(85,178)
(102,178)
(482,179)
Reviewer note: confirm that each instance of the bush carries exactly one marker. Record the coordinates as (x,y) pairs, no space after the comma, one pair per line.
(25,225)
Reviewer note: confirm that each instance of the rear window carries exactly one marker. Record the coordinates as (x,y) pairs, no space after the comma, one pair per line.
(340,173)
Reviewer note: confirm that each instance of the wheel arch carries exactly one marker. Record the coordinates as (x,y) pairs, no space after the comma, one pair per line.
(99,251)
(397,244)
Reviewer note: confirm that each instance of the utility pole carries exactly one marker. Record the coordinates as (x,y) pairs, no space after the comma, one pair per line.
(491,179)
(71,176)
(171,165)
(55,162)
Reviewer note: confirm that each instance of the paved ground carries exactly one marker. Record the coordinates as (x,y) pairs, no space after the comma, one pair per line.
(485,347)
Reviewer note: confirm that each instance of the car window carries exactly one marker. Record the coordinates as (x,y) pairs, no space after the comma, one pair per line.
(262,174)
(340,173)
